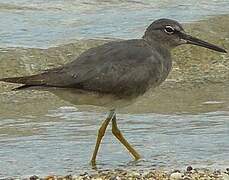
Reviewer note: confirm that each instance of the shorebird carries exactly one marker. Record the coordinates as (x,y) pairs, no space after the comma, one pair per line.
(125,69)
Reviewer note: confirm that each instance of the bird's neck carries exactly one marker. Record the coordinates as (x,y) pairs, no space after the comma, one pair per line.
(154,42)
(163,50)
(156,45)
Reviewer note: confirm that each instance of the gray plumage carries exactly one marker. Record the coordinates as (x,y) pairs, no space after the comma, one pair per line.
(125,68)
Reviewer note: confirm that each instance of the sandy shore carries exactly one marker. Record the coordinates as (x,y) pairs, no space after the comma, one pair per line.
(154,174)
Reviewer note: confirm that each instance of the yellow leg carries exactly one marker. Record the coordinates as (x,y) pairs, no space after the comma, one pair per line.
(101,133)
(117,133)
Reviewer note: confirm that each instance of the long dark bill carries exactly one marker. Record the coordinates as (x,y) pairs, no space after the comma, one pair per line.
(192,40)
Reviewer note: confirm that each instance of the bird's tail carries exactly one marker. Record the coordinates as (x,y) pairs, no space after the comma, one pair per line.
(27,81)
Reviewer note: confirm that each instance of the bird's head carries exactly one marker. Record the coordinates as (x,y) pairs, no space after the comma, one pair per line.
(170,33)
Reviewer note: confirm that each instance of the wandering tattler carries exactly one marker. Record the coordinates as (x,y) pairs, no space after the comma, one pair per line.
(125,69)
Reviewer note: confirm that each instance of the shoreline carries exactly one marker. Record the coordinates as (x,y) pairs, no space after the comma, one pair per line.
(153,174)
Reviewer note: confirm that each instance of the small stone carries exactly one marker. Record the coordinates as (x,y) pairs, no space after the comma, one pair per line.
(68,177)
(225,176)
(76,177)
(115,178)
(176,176)
(34,177)
(145,173)
(186,178)
(134,173)
(189,168)
(50,178)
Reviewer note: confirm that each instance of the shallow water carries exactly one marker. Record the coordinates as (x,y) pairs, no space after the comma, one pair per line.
(43,132)
(42,23)
(40,133)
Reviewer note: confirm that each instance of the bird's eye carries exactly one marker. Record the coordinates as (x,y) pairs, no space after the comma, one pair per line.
(169,29)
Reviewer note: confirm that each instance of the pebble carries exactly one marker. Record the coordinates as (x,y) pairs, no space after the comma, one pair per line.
(176,176)
(34,177)
(115,178)
(153,174)
(225,176)
(189,168)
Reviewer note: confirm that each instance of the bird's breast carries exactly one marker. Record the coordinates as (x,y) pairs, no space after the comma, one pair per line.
(160,64)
